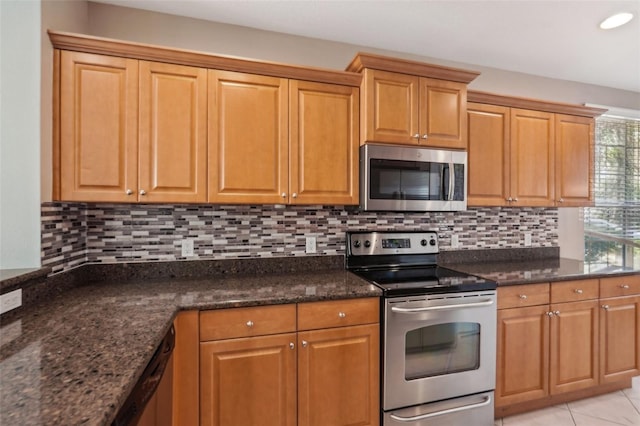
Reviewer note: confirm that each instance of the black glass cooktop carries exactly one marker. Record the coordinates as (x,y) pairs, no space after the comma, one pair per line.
(415,280)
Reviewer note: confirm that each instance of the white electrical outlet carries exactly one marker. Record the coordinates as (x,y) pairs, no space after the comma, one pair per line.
(455,242)
(527,240)
(310,245)
(10,301)
(187,247)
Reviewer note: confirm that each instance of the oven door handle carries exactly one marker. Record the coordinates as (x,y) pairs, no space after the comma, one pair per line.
(399,310)
(487,401)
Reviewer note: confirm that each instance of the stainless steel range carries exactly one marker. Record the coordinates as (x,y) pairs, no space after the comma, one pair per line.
(438,334)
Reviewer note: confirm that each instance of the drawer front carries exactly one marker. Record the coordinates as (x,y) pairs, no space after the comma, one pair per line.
(574,291)
(620,286)
(247,322)
(338,313)
(523,295)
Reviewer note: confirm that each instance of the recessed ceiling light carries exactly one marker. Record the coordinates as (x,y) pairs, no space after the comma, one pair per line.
(616,20)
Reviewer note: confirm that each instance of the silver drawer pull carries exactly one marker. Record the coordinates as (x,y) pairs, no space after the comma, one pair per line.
(304,343)
(549,314)
(342,314)
(624,286)
(399,310)
(556,313)
(249,324)
(523,296)
(292,345)
(487,401)
(605,307)
(578,291)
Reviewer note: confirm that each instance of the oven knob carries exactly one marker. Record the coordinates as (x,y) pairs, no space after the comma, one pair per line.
(423,242)
(367,243)
(356,243)
(432,242)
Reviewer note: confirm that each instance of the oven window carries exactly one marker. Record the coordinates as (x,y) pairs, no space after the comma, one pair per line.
(442,349)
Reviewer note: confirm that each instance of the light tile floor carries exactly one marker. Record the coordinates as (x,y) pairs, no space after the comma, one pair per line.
(617,408)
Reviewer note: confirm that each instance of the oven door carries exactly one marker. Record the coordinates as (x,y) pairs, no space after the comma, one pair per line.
(438,347)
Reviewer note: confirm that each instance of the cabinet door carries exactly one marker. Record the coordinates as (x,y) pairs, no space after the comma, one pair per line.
(248,139)
(574,346)
(391,107)
(574,160)
(532,158)
(98,127)
(323,133)
(523,355)
(173,133)
(338,376)
(619,338)
(248,381)
(443,117)
(488,151)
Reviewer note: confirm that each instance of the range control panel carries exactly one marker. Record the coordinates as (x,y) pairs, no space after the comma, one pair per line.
(380,243)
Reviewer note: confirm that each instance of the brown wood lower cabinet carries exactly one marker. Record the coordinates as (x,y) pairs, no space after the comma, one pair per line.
(311,364)
(562,341)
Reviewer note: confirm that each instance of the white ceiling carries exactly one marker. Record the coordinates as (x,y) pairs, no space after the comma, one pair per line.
(556,38)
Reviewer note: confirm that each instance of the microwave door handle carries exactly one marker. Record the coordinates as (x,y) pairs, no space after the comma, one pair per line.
(452,181)
(443,183)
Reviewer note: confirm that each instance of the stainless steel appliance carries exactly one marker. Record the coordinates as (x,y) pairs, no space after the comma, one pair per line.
(438,333)
(406,178)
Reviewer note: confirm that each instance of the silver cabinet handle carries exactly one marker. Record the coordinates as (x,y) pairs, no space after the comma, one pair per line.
(128,192)
(399,310)
(294,195)
(578,291)
(515,200)
(292,345)
(143,192)
(605,307)
(417,136)
(509,199)
(249,324)
(342,314)
(523,296)
(561,200)
(487,401)
(283,195)
(624,286)
(549,314)
(425,136)
(304,343)
(556,313)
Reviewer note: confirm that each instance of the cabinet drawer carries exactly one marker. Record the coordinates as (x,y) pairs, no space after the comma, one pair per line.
(523,295)
(247,322)
(338,313)
(574,291)
(620,286)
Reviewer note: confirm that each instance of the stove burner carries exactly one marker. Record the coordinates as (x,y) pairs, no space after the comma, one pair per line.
(401,264)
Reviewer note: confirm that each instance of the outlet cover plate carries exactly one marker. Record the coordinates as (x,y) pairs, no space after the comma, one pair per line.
(187,247)
(310,245)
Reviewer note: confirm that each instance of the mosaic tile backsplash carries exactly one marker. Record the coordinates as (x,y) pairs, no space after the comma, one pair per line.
(77,233)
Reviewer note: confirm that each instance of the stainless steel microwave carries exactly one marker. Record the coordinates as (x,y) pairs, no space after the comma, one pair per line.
(407,178)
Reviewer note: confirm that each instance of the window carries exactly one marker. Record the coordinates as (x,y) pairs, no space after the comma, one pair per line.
(612,227)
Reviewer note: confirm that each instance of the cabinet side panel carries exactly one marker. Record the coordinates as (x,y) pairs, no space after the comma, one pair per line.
(186,365)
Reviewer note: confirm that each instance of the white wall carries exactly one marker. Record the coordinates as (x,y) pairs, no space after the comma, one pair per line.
(19,134)
(158,28)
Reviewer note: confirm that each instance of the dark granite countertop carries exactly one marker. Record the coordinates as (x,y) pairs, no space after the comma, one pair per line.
(510,272)
(73,359)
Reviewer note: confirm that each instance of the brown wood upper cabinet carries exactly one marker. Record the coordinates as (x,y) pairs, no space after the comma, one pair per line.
(279,141)
(529,157)
(406,102)
(130,130)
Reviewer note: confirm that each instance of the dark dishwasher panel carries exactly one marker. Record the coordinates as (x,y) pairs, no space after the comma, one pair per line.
(146,386)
